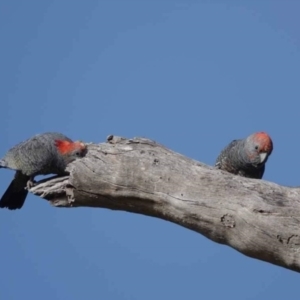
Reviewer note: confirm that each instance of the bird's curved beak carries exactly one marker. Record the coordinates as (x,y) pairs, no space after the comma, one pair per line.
(263,156)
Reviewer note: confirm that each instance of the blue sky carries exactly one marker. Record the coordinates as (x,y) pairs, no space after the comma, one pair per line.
(192,75)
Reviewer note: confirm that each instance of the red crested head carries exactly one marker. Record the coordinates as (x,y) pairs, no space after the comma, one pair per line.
(259,147)
(263,142)
(67,148)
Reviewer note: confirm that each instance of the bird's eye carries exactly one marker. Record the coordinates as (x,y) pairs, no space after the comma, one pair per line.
(256,147)
(77,153)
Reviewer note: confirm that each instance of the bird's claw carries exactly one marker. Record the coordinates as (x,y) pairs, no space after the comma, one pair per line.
(30,184)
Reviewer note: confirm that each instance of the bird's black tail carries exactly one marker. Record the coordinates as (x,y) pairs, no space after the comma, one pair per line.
(15,195)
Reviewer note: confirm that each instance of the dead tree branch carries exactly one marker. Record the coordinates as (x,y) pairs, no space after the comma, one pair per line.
(257,218)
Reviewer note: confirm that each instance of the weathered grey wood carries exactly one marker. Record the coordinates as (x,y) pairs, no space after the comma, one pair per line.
(258,218)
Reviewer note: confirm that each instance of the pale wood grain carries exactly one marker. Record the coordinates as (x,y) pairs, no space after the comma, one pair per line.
(257,218)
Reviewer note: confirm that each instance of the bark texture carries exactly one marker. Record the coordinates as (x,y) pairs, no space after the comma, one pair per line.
(257,218)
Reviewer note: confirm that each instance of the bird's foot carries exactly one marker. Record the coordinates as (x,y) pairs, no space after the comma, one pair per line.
(30,183)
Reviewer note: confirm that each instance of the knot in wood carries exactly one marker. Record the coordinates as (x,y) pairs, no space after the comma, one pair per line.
(155,161)
(228,221)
